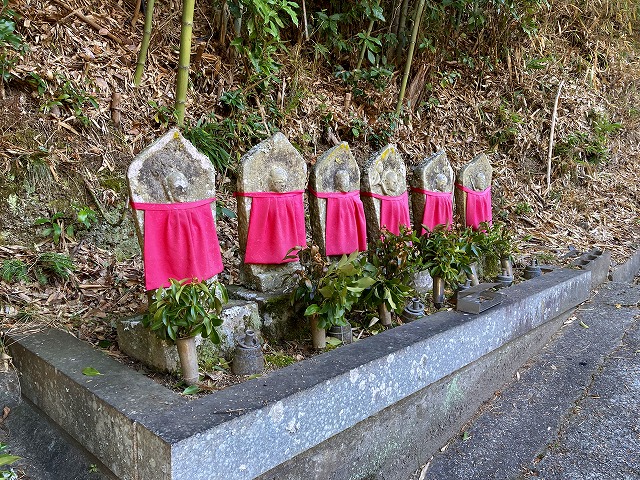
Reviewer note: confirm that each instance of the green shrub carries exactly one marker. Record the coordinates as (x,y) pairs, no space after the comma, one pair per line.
(13,270)
(11,43)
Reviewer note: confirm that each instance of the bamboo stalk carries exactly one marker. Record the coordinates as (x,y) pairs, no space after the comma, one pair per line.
(304,17)
(182,80)
(402,23)
(144,46)
(395,17)
(136,12)
(223,23)
(364,47)
(554,118)
(407,68)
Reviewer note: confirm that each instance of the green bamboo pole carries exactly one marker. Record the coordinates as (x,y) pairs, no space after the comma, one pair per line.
(364,47)
(402,23)
(144,46)
(182,80)
(407,68)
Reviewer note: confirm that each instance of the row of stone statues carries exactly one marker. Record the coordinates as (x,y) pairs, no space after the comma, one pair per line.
(172,188)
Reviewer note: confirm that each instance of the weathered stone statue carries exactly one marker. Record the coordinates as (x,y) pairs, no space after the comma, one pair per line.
(384,192)
(432,193)
(172,189)
(337,214)
(271,219)
(473,192)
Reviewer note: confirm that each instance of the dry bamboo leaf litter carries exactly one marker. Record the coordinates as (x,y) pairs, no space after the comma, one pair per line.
(461,118)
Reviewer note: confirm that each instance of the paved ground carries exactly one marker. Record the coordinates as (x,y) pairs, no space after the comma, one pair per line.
(573,412)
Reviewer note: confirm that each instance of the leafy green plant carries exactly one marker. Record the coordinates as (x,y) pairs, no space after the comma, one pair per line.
(14,270)
(73,97)
(589,147)
(329,290)
(163,114)
(394,258)
(522,208)
(204,137)
(11,43)
(447,253)
(183,310)
(211,363)
(46,266)
(187,308)
(496,243)
(7,459)
(508,122)
(223,211)
(580,147)
(503,240)
(37,82)
(54,264)
(86,216)
(234,99)
(54,227)
(259,24)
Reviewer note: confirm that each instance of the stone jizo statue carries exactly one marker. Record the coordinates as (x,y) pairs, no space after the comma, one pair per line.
(474,192)
(432,193)
(384,193)
(271,217)
(337,214)
(172,188)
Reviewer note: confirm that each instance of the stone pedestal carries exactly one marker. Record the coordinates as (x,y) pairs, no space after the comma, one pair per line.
(143,345)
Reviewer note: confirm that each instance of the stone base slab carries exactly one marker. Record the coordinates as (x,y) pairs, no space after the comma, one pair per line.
(140,343)
(280,320)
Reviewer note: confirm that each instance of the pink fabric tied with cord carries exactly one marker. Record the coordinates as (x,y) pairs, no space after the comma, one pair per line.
(438,209)
(180,242)
(345,228)
(394,211)
(478,206)
(276,225)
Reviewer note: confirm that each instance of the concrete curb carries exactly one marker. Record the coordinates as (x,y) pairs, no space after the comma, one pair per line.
(597,262)
(627,271)
(140,430)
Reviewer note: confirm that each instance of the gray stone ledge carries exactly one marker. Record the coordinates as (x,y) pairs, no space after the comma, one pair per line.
(598,263)
(626,271)
(248,429)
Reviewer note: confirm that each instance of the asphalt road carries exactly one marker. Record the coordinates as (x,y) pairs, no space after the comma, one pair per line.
(572,412)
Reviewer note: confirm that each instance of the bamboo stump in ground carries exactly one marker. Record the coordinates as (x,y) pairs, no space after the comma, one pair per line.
(188,359)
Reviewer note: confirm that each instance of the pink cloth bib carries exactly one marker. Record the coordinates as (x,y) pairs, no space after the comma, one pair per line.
(478,206)
(345,230)
(438,209)
(180,242)
(276,225)
(394,211)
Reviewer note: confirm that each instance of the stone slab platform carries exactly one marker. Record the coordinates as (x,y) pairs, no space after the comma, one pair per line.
(293,422)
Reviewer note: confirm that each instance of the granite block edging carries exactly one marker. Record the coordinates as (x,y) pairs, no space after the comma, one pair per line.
(626,272)
(248,429)
(597,262)
(105,413)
